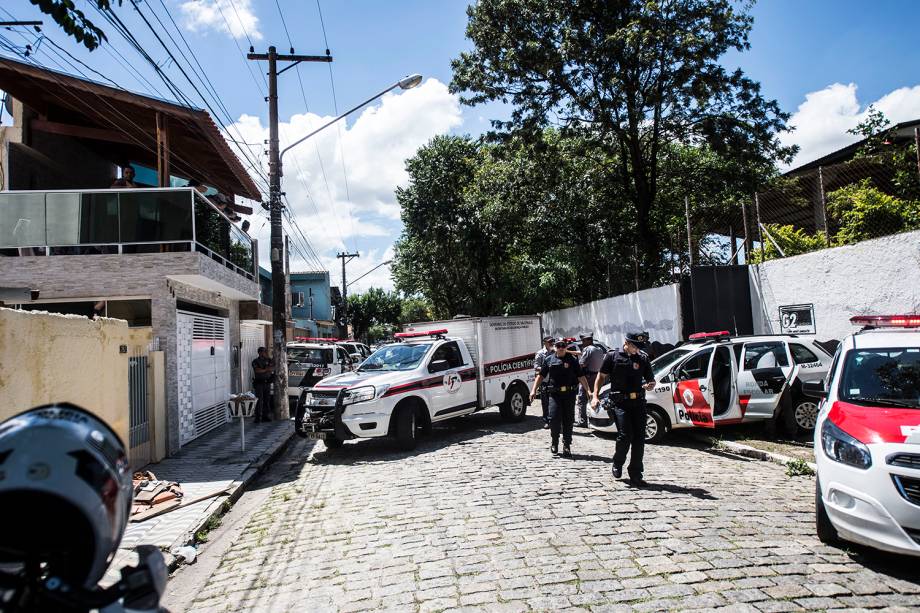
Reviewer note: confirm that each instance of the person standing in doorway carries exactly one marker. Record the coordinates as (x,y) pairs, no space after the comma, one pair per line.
(561,374)
(263,372)
(630,373)
(591,359)
(538,359)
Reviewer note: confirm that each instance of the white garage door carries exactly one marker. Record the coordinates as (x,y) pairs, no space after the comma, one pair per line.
(203,362)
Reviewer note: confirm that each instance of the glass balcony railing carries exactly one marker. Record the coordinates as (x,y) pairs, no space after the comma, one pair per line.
(71,222)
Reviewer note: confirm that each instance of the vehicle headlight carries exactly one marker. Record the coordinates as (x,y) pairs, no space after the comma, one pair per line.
(841,447)
(359,394)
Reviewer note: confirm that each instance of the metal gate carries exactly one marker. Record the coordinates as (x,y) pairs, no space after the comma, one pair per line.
(138,395)
(203,363)
(252,336)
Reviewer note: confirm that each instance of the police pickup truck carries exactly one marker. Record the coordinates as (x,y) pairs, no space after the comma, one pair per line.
(434,372)
(716,379)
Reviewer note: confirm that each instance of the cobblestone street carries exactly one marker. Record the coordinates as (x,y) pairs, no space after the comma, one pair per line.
(481,516)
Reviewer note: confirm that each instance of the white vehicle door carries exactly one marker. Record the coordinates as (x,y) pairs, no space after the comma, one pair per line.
(765,371)
(342,362)
(706,393)
(455,394)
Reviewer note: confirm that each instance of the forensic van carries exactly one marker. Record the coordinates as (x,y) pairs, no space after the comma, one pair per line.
(717,379)
(435,371)
(867,441)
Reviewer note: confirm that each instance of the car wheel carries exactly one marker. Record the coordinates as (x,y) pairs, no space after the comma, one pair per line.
(515,406)
(805,413)
(333,442)
(655,428)
(826,532)
(406,428)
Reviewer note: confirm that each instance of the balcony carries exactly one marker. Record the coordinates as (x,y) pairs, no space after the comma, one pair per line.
(121,221)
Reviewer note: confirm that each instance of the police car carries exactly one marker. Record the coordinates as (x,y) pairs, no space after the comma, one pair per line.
(867,440)
(716,379)
(311,360)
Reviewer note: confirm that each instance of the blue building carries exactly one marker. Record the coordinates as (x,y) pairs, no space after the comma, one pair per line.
(311,303)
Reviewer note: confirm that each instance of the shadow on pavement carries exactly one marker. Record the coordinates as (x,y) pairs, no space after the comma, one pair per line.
(696,492)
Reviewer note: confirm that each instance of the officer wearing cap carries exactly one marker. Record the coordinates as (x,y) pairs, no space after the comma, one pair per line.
(630,373)
(538,359)
(561,373)
(591,359)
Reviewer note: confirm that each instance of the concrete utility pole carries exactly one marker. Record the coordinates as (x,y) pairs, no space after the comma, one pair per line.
(346,257)
(279,302)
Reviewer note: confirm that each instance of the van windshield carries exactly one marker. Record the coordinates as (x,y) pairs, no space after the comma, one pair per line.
(882,377)
(399,356)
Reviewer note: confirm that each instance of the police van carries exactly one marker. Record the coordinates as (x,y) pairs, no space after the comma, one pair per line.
(716,379)
(435,371)
(867,440)
(310,360)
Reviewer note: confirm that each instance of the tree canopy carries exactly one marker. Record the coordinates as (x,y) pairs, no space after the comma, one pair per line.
(73,21)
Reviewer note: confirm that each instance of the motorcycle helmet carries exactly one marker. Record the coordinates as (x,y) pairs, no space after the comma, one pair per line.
(65,493)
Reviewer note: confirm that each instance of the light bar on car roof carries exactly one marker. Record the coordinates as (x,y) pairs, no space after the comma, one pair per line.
(703,335)
(420,334)
(887,321)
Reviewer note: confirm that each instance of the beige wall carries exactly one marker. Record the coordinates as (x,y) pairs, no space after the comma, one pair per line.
(46,358)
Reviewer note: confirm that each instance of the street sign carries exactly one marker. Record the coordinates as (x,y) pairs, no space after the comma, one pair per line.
(797,319)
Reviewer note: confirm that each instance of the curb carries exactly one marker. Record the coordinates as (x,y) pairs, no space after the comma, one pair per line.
(750,452)
(236,489)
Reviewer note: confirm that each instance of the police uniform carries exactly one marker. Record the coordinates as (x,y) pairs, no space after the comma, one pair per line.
(538,359)
(261,385)
(591,359)
(560,379)
(627,375)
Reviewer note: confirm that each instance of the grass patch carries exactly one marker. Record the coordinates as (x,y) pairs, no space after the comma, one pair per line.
(799,468)
(212,524)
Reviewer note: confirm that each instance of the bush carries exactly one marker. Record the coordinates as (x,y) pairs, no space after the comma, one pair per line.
(862,211)
(792,240)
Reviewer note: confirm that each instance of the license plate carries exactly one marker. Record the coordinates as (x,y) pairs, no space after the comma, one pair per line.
(316,436)
(297,373)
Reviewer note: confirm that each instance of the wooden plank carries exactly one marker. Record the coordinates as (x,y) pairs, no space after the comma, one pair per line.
(66,129)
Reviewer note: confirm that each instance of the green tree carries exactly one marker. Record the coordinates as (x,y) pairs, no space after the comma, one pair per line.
(792,240)
(74,22)
(862,211)
(632,76)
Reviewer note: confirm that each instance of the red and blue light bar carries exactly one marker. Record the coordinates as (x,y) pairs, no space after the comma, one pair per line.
(710,335)
(887,321)
(420,334)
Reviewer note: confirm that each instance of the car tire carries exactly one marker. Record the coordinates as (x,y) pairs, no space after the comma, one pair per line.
(655,426)
(333,442)
(827,534)
(804,414)
(514,408)
(406,422)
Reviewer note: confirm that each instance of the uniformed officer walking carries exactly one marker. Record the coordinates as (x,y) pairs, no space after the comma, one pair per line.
(263,371)
(560,374)
(591,359)
(537,364)
(630,373)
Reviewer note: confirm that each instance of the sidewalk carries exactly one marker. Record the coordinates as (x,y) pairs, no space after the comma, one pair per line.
(209,464)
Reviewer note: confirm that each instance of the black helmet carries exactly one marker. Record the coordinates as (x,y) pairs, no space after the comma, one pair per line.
(66,493)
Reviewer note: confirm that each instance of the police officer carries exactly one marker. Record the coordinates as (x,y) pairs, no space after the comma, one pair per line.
(263,371)
(630,373)
(537,364)
(591,359)
(562,373)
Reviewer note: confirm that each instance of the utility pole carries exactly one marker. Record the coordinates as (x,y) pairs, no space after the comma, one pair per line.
(279,303)
(346,257)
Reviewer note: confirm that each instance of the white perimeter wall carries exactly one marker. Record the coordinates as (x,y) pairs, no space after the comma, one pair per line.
(655,310)
(876,277)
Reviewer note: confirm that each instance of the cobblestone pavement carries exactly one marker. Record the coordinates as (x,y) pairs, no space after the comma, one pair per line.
(481,517)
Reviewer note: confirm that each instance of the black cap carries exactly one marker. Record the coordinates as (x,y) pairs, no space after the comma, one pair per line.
(547,339)
(639,339)
(586,335)
(561,342)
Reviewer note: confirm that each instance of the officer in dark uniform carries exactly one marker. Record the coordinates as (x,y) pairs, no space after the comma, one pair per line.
(263,371)
(630,373)
(560,375)
(548,349)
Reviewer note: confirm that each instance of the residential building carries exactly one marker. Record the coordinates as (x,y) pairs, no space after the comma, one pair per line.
(311,303)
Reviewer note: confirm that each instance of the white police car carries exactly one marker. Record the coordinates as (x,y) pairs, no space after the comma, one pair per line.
(867,440)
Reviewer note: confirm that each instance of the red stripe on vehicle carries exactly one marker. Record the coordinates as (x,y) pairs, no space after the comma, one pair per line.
(743,401)
(874,424)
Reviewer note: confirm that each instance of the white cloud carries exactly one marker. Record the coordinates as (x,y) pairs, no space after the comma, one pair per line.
(822,121)
(234,17)
(375,147)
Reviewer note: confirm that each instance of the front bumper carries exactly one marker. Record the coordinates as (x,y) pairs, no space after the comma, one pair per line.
(600,420)
(351,421)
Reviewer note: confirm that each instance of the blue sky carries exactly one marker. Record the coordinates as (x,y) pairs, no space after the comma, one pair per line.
(824,60)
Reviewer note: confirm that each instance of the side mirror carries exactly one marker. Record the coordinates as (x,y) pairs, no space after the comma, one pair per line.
(438,366)
(814,388)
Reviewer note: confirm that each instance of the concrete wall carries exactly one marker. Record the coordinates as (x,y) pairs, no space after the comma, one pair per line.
(46,358)
(871,278)
(655,310)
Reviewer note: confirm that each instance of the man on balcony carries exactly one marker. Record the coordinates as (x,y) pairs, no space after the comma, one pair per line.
(126,180)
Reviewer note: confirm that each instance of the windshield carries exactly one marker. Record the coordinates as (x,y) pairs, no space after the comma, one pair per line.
(663,361)
(882,377)
(309,355)
(396,357)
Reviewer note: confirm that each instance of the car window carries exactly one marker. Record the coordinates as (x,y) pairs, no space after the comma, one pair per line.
(667,359)
(343,355)
(883,378)
(802,354)
(398,356)
(309,355)
(769,354)
(450,352)
(696,366)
